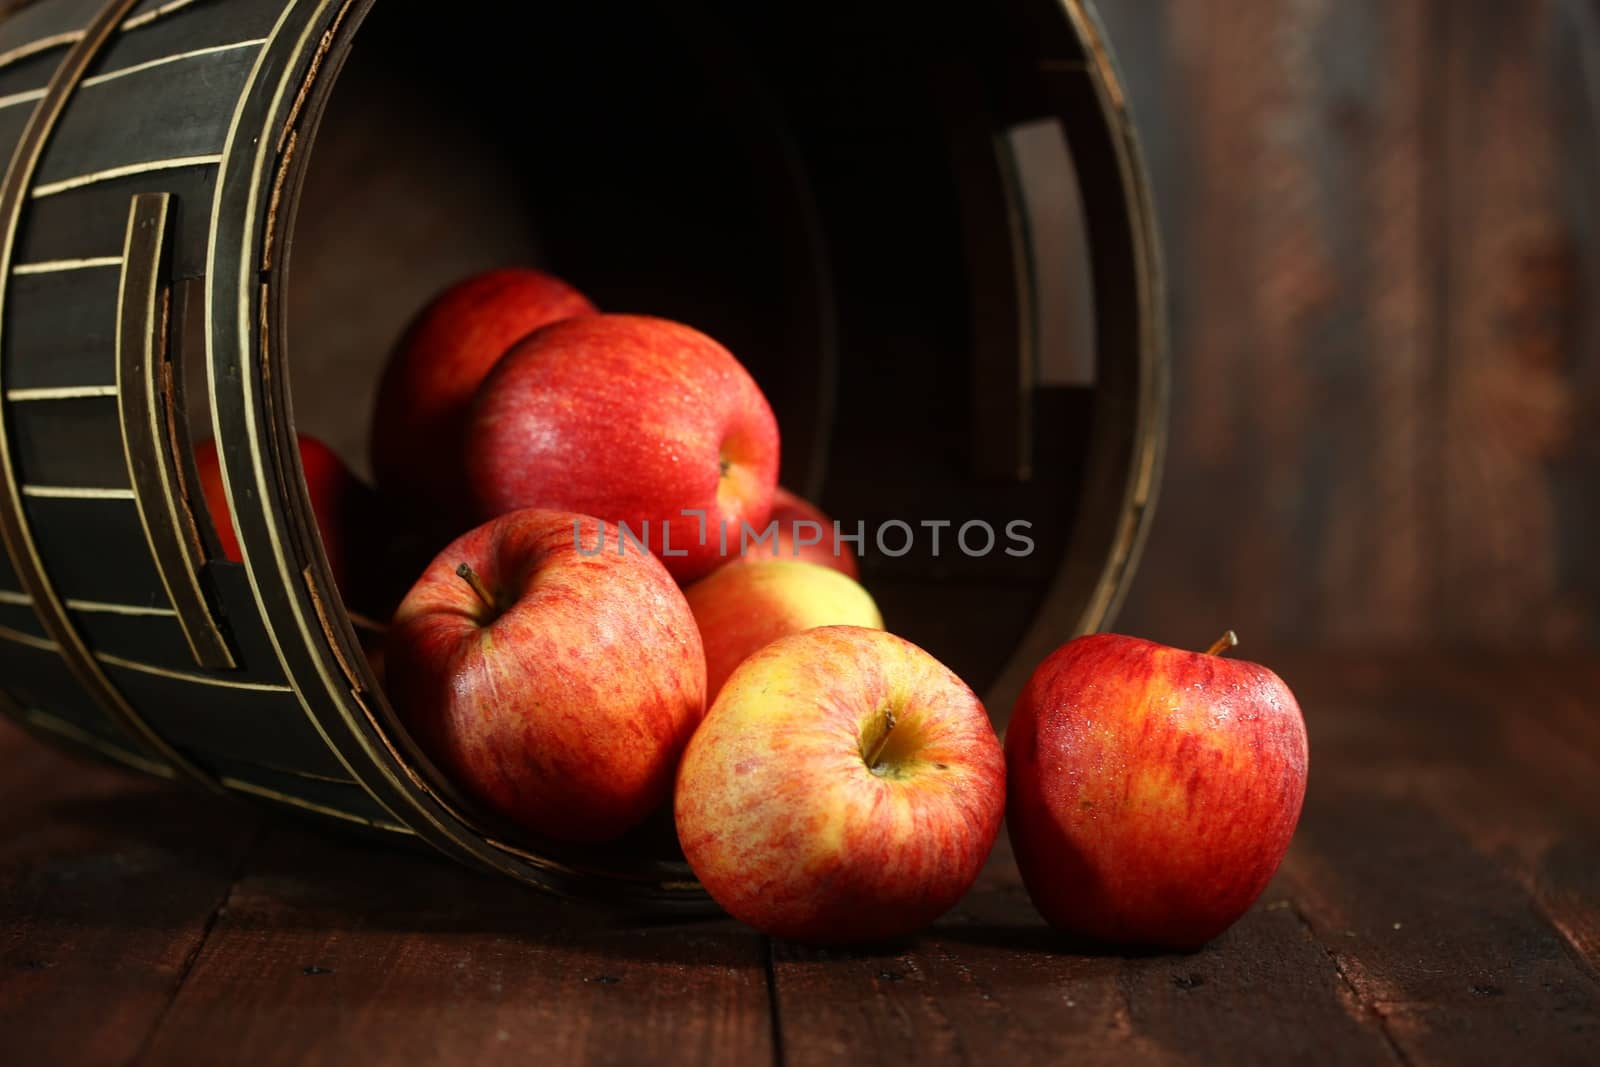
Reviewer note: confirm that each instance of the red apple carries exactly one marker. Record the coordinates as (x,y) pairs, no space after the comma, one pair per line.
(632,419)
(845,787)
(436,369)
(803,533)
(742,609)
(1153,790)
(555,675)
(339,501)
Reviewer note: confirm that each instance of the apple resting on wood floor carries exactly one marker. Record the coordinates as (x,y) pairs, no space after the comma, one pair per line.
(1153,791)
(844,785)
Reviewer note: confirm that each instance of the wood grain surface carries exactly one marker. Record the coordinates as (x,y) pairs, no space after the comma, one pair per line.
(1439,906)
(1384,245)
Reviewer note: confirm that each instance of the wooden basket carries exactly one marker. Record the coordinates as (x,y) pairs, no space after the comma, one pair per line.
(858,189)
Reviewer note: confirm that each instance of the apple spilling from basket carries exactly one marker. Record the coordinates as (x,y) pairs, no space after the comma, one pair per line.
(600,647)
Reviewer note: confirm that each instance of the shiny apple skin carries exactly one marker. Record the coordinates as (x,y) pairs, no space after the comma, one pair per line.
(1152,791)
(567,711)
(631,419)
(790,830)
(436,369)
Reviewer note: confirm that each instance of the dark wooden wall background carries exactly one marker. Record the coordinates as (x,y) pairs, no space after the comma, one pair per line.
(1382,221)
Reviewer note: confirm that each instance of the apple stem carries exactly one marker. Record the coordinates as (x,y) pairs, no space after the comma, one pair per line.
(883,738)
(1221,645)
(470,576)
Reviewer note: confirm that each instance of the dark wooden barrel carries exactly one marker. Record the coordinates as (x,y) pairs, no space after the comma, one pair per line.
(887,215)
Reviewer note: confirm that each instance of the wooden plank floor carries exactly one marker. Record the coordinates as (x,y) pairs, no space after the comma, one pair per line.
(1441,905)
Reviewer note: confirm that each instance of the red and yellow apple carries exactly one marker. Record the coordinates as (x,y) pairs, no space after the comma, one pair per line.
(436,369)
(741,609)
(634,420)
(1152,790)
(844,787)
(555,675)
(803,532)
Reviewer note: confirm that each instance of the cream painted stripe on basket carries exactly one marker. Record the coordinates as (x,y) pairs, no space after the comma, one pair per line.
(188,676)
(43,644)
(133,22)
(100,607)
(44,44)
(120,72)
(61,392)
(20,98)
(56,266)
(80,180)
(123,72)
(39,44)
(321,809)
(291,772)
(75,492)
(13,596)
(56,725)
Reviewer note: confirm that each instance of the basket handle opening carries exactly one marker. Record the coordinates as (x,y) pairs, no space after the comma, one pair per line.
(155,433)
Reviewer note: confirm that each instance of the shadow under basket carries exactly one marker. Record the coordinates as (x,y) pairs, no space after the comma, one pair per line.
(930,241)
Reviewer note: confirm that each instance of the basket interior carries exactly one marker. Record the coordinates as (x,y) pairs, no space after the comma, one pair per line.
(820,194)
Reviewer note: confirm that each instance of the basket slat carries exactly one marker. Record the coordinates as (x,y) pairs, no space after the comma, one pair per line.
(157,114)
(28,74)
(332,796)
(93,549)
(60,331)
(225,720)
(156,639)
(92,221)
(251,642)
(39,679)
(68,442)
(51,25)
(17,615)
(12,119)
(205,24)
